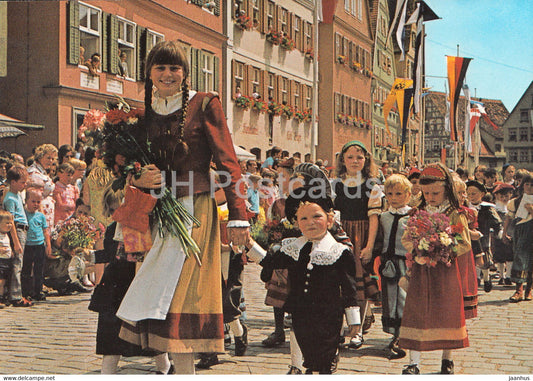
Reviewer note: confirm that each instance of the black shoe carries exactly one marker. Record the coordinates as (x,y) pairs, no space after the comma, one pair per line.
(170,370)
(41,297)
(367,323)
(487,286)
(446,367)
(241,343)
(294,370)
(308,371)
(77,286)
(207,360)
(274,339)
(395,352)
(335,362)
(508,282)
(411,369)
(500,282)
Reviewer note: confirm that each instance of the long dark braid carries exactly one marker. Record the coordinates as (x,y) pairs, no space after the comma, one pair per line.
(148,86)
(182,149)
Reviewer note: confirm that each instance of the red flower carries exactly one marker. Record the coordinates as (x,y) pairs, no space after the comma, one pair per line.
(116,116)
(457,229)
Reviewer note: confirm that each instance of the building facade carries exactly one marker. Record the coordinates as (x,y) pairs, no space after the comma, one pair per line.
(269,74)
(345,50)
(518,135)
(48,80)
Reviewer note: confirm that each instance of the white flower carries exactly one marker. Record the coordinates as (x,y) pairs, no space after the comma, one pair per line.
(423,244)
(445,239)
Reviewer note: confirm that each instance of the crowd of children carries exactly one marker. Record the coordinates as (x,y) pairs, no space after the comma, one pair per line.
(342,242)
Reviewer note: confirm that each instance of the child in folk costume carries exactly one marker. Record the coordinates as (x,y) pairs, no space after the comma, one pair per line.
(503,249)
(433,316)
(398,194)
(359,200)
(321,274)
(489,223)
(466,263)
(521,213)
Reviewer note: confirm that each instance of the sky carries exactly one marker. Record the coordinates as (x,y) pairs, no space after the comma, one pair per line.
(497,34)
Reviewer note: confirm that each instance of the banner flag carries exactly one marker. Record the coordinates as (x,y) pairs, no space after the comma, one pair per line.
(397,91)
(457,67)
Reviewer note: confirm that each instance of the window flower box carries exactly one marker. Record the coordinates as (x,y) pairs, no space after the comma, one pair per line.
(274,37)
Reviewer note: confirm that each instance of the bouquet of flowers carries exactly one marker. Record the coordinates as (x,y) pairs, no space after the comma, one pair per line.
(274,231)
(90,132)
(122,151)
(76,233)
(434,239)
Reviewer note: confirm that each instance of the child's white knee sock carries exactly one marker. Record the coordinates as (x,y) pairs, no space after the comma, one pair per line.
(109,364)
(162,363)
(447,354)
(414,357)
(236,328)
(297,358)
(183,362)
(501,269)
(486,276)
(509,266)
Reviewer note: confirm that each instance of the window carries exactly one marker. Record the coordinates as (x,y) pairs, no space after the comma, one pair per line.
(284,20)
(524,117)
(308,97)
(359,9)
(338,44)
(256,81)
(206,76)
(77,120)
(153,38)
(126,46)
(347,5)
(271,85)
(524,156)
(256,11)
(513,156)
(308,35)
(297,32)
(284,90)
(271,10)
(238,77)
(512,134)
(523,134)
(337,103)
(498,147)
(90,31)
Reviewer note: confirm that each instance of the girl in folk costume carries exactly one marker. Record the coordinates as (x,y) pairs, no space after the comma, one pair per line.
(433,317)
(466,263)
(521,214)
(174,304)
(321,275)
(393,267)
(358,198)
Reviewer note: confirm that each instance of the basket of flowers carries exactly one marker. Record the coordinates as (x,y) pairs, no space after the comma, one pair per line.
(244,22)
(299,116)
(243,102)
(341,59)
(287,112)
(274,37)
(287,42)
(274,108)
(259,105)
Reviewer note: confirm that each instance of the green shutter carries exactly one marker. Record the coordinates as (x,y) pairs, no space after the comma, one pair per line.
(105,45)
(113,44)
(217,8)
(199,66)
(194,69)
(141,52)
(73,32)
(216,71)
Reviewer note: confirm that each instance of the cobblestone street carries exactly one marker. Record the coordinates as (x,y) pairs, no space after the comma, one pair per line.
(58,337)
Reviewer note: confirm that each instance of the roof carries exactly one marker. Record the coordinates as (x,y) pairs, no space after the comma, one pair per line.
(7,121)
(496,111)
(10,132)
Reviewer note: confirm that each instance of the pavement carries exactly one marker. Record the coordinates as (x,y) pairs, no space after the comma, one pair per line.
(57,336)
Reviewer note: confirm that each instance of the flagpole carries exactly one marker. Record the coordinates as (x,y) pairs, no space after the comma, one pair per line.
(314,127)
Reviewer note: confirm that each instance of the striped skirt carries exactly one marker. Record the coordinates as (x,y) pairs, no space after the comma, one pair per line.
(467,271)
(366,286)
(194,322)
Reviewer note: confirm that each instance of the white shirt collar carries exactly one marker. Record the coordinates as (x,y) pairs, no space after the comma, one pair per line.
(403,210)
(168,105)
(438,209)
(324,252)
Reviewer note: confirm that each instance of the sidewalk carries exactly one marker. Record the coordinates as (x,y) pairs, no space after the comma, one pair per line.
(58,337)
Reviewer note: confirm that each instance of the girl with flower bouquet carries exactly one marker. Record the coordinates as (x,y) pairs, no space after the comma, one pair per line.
(435,235)
(174,303)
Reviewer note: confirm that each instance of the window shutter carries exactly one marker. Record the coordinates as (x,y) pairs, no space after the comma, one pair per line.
(277,91)
(264,85)
(217,8)
(194,69)
(113,45)
(277,18)
(200,65)
(233,80)
(290,24)
(105,38)
(249,8)
(248,79)
(264,22)
(73,32)
(292,85)
(142,37)
(313,39)
(216,71)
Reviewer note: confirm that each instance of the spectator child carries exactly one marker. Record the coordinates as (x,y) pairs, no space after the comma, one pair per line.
(17,176)
(65,194)
(6,224)
(503,249)
(37,247)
